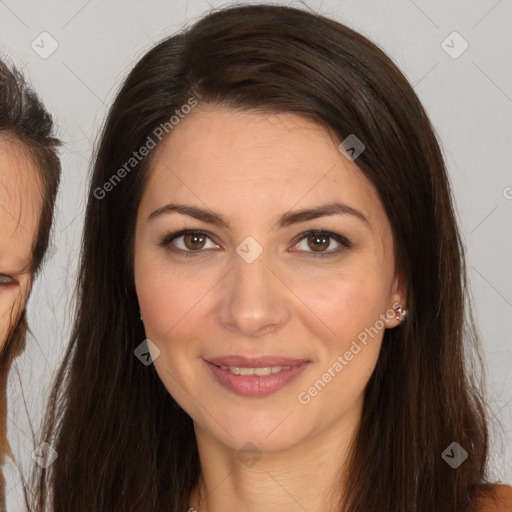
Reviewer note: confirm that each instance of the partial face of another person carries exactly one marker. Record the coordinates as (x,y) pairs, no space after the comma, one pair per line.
(20,208)
(243,282)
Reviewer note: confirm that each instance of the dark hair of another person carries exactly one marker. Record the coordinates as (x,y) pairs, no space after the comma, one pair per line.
(123,442)
(25,122)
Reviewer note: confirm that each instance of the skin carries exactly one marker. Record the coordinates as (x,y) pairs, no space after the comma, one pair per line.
(20,207)
(251,168)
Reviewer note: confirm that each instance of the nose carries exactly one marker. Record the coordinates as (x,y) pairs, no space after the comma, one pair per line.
(254,300)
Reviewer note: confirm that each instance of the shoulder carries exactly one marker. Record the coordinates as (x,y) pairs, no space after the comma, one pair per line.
(496,498)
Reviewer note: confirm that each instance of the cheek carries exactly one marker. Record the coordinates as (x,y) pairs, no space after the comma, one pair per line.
(170,300)
(12,301)
(5,315)
(167,304)
(344,305)
(4,329)
(171,306)
(348,326)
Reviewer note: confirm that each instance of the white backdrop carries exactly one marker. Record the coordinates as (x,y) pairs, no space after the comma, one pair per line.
(76,53)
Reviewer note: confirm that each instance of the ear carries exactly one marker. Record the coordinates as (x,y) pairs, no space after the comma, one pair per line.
(397,298)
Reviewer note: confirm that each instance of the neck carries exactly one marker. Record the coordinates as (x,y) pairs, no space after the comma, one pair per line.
(308,476)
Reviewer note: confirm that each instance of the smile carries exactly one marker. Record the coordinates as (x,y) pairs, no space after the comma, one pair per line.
(256,371)
(256,381)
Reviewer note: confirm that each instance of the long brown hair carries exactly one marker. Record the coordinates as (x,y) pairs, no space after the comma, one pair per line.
(123,442)
(24,121)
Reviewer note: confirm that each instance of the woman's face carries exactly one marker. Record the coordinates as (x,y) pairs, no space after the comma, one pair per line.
(20,207)
(252,289)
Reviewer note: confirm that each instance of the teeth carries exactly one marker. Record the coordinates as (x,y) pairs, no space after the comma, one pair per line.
(260,372)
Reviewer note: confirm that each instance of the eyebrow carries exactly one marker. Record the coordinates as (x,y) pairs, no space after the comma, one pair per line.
(286,219)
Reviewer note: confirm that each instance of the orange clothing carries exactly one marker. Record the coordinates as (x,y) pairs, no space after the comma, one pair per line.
(499,500)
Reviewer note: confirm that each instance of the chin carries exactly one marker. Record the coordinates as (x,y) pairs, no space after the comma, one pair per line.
(259,432)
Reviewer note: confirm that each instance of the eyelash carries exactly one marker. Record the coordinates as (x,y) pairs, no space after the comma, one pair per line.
(166,242)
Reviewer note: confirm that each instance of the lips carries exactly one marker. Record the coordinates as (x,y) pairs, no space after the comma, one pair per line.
(255,376)
(255,362)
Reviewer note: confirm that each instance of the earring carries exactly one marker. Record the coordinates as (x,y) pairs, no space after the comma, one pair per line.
(400,313)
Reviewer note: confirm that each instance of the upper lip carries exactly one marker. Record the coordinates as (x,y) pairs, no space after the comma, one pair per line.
(255,362)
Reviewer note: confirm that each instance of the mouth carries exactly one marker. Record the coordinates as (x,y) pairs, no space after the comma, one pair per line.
(255,377)
(255,362)
(259,371)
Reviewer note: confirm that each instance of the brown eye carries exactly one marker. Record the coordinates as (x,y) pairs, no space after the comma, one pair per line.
(318,243)
(188,242)
(194,241)
(322,243)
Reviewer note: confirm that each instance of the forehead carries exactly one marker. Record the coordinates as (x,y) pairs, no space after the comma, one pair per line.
(233,148)
(255,162)
(20,203)
(265,143)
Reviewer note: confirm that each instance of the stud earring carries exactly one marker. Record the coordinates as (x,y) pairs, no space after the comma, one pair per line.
(400,313)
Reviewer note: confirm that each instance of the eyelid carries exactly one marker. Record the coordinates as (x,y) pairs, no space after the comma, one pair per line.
(341,240)
(166,242)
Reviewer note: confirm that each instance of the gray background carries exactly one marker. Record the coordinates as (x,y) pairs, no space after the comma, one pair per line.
(469,100)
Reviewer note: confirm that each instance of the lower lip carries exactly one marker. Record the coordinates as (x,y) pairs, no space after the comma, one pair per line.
(255,385)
